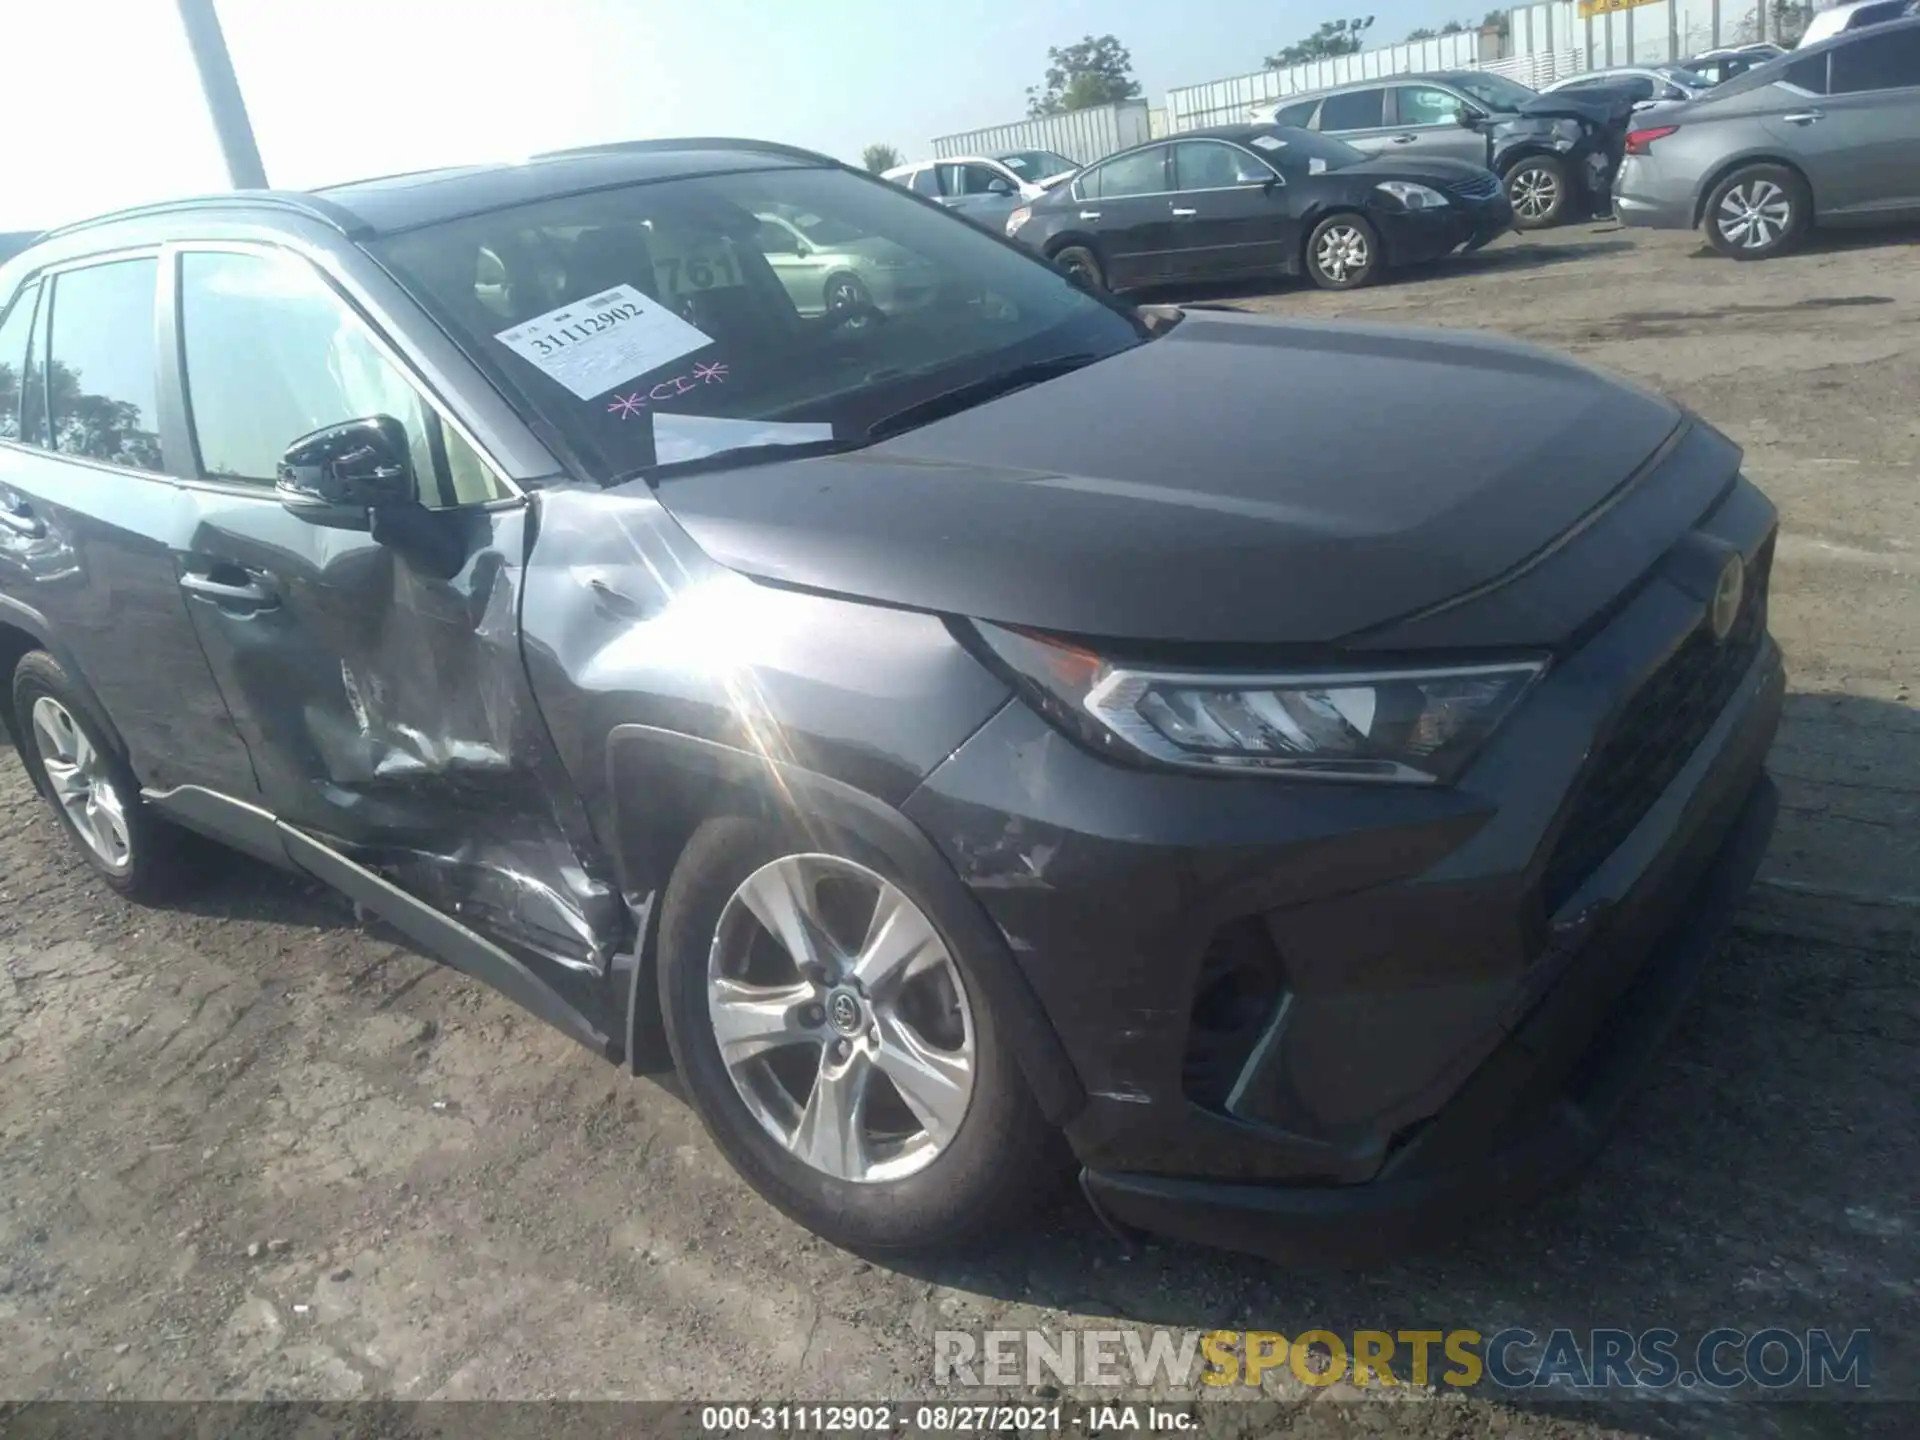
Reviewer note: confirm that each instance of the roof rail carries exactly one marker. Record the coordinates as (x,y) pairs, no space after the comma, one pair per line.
(312,206)
(695,142)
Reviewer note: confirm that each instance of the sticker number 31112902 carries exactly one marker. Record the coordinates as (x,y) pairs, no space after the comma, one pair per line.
(594,344)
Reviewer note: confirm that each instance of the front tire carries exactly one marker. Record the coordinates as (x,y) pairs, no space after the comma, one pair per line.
(1540,189)
(1758,212)
(838,1046)
(1343,253)
(89,784)
(1083,265)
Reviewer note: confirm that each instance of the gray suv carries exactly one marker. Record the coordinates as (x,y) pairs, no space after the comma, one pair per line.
(1829,135)
(1555,153)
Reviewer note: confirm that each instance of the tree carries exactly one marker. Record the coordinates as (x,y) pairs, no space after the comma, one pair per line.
(1334,37)
(1414,37)
(1093,72)
(1454,27)
(1497,20)
(879,158)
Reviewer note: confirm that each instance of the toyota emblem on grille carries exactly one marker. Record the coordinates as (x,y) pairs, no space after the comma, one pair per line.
(1727,595)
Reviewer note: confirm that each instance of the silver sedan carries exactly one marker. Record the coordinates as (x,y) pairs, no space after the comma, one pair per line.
(1828,135)
(827,267)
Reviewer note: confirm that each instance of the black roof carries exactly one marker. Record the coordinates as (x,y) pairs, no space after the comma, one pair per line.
(391,203)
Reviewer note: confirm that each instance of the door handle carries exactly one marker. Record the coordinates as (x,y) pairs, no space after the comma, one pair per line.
(1405,139)
(19,518)
(252,589)
(1805,117)
(1184,213)
(1089,214)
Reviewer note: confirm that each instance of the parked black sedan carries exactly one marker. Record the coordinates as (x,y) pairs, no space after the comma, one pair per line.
(1242,200)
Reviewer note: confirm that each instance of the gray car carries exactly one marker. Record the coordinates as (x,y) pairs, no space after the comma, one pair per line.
(1827,136)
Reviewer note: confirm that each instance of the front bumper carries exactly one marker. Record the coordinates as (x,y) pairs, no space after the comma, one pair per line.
(1416,941)
(1414,237)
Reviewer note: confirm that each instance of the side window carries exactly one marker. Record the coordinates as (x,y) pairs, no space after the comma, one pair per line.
(1355,110)
(272,354)
(1638,87)
(1878,62)
(926,181)
(1809,74)
(1142,173)
(1209,165)
(1299,116)
(1424,105)
(100,381)
(13,358)
(773,238)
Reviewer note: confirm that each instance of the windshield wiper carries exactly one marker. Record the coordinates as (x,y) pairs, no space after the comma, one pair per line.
(976,392)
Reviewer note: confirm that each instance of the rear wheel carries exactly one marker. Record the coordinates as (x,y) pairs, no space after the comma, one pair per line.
(1540,190)
(90,787)
(1343,253)
(1758,212)
(1082,264)
(838,1045)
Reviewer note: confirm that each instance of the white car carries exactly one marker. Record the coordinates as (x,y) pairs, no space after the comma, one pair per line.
(1646,83)
(1841,18)
(826,265)
(984,188)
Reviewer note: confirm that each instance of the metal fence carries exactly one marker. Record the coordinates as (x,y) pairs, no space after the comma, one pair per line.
(1083,136)
(1225,102)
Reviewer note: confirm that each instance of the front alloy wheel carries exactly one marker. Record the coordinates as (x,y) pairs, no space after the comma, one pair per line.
(1538,190)
(81,784)
(1342,253)
(853,1048)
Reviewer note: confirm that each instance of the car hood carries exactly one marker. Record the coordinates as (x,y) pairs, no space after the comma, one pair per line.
(1601,106)
(1428,169)
(1237,480)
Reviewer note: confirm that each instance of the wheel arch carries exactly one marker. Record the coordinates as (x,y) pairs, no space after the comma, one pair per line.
(665,785)
(1761,157)
(21,631)
(1081,238)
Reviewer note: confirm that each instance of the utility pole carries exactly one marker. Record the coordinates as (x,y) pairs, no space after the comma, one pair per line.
(222,90)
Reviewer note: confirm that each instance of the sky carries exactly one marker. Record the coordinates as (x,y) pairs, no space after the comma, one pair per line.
(338,89)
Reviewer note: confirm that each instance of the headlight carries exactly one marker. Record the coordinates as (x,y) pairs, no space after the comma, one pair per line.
(1018,218)
(1413,726)
(1412,196)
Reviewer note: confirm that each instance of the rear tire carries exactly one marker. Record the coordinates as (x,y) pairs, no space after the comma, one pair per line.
(90,787)
(1082,264)
(1343,253)
(1758,212)
(957,1150)
(1540,189)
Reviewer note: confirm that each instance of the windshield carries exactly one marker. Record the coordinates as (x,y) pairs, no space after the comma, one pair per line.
(1496,92)
(672,321)
(1036,164)
(1298,149)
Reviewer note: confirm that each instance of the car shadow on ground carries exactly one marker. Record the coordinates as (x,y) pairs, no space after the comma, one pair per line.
(1757,1178)
(1514,253)
(1834,241)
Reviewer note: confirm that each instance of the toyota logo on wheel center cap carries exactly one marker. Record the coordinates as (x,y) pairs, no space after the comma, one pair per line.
(845,1012)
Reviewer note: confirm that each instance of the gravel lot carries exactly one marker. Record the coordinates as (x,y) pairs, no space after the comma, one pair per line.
(248,1149)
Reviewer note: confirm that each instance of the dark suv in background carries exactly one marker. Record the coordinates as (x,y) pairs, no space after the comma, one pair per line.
(1011,716)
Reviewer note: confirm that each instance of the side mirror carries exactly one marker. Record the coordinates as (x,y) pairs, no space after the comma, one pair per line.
(801,249)
(1467,119)
(337,477)
(999,187)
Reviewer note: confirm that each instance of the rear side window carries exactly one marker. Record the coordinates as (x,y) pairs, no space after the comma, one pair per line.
(1299,116)
(970,179)
(926,181)
(13,358)
(1356,110)
(1876,62)
(100,381)
(272,354)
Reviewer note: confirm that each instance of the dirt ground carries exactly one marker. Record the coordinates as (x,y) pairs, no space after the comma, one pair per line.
(248,1150)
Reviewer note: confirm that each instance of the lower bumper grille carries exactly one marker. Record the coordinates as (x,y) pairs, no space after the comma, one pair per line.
(1478,187)
(1663,725)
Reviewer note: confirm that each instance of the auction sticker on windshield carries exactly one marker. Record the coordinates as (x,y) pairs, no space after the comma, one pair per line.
(592,345)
